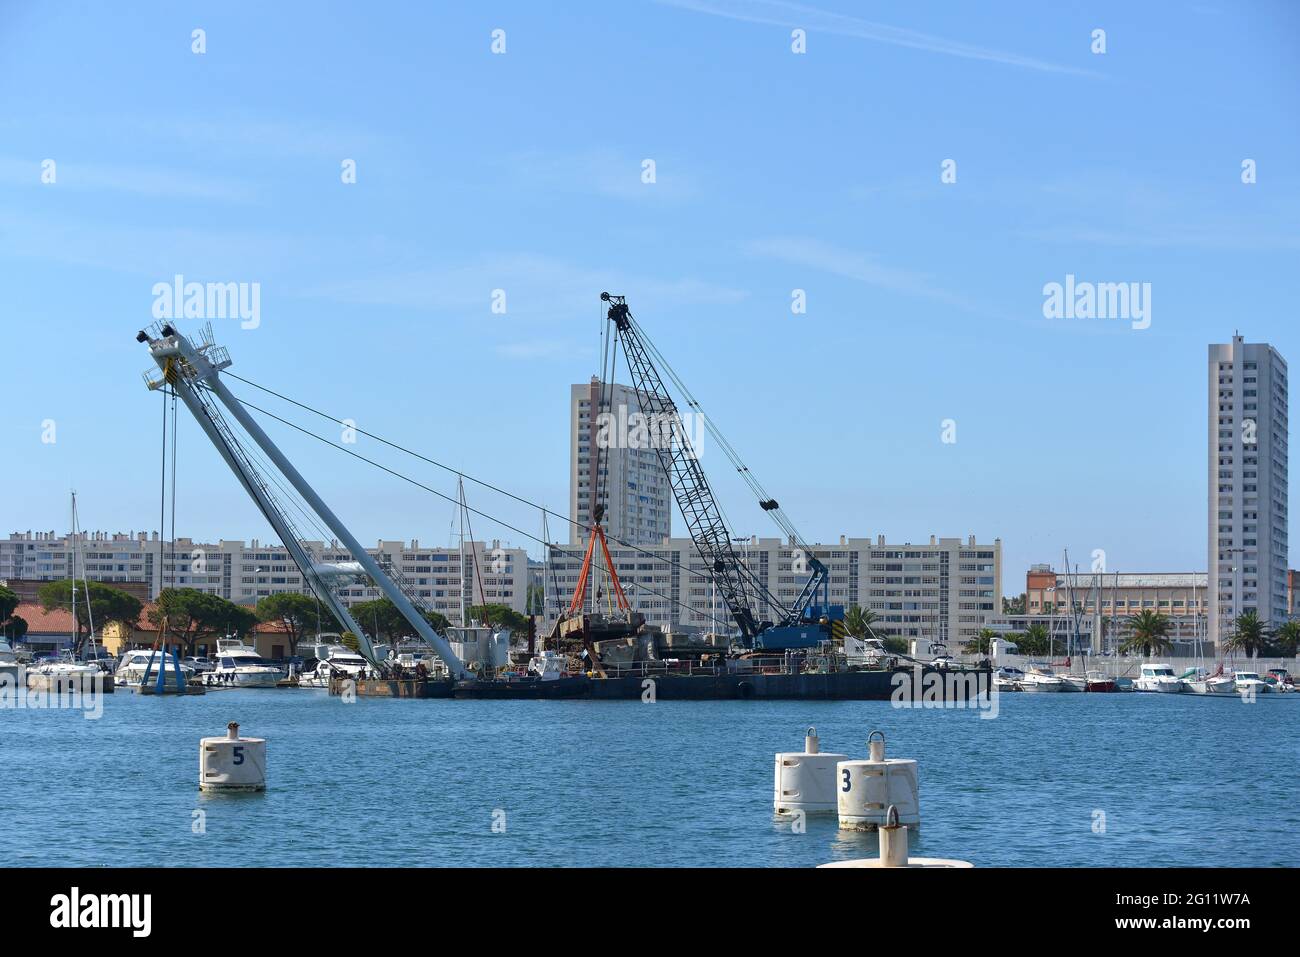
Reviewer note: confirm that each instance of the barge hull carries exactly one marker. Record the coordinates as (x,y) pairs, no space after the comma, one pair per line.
(901,685)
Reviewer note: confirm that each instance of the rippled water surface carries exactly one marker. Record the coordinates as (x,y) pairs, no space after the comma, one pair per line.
(1071,779)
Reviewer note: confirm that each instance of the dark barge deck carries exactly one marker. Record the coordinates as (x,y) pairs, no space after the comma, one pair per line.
(917,685)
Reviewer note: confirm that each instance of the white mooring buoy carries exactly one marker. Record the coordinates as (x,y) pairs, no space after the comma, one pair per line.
(805,780)
(867,789)
(232,763)
(894,850)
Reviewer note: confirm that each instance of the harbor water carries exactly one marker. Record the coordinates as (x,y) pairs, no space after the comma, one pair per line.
(1054,780)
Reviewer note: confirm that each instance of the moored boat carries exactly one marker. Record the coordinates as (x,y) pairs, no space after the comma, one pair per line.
(339,662)
(10,669)
(239,666)
(1160,678)
(1007,678)
(1041,679)
(133,665)
(1199,681)
(1249,683)
(67,674)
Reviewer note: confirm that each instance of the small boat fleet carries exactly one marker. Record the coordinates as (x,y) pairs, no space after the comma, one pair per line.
(1160,678)
(1042,679)
(1153,678)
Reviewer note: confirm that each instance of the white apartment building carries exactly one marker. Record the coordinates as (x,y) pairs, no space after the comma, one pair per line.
(945,590)
(637,497)
(244,572)
(1247,527)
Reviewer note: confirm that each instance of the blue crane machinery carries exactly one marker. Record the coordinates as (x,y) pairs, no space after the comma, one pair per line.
(810,618)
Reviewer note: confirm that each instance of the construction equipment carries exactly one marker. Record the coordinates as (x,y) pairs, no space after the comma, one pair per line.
(574,622)
(801,625)
(193,373)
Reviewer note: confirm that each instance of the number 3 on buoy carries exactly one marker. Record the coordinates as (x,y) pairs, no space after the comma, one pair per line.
(847,783)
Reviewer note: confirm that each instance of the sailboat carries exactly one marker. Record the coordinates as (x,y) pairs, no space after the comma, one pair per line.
(1200,681)
(65,672)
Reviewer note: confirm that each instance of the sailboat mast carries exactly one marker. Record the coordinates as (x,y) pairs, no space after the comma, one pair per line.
(460,484)
(72,567)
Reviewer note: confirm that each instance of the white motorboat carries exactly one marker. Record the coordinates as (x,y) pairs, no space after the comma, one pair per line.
(1090,681)
(1041,679)
(1158,678)
(10,669)
(1199,681)
(338,661)
(62,674)
(1250,683)
(239,666)
(133,665)
(1007,678)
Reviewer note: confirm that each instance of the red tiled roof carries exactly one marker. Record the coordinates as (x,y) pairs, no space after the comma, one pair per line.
(39,621)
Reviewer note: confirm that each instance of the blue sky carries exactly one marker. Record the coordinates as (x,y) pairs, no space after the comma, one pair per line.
(774,172)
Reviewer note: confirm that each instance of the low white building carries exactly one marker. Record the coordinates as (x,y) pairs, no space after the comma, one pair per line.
(944,590)
(246,571)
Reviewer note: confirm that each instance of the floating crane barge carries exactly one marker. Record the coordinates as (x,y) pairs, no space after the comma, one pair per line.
(785,658)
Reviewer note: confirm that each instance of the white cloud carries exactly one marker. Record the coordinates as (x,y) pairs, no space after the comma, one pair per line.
(604,172)
(782,13)
(141,180)
(850,264)
(536,286)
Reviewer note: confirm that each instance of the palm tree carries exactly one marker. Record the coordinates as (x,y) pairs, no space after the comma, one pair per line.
(1286,637)
(1249,634)
(1034,640)
(1148,633)
(858,622)
(982,643)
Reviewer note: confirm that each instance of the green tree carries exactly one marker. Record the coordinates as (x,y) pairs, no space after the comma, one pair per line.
(190,616)
(8,602)
(1286,636)
(858,622)
(894,644)
(1249,635)
(436,620)
(106,604)
(1013,606)
(381,619)
(12,626)
(1034,641)
(1148,634)
(293,612)
(501,616)
(982,643)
